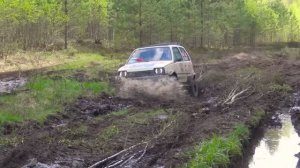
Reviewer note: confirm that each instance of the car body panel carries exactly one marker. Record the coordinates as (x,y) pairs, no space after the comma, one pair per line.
(144,66)
(183,69)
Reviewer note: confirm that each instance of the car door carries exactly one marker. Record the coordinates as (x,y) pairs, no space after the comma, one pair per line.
(187,63)
(178,64)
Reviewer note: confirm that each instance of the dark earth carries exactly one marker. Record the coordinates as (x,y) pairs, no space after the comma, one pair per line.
(151,132)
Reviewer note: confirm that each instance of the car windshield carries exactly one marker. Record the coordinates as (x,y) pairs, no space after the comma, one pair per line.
(151,54)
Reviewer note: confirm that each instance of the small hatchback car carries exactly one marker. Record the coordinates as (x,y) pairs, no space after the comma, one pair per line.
(159,61)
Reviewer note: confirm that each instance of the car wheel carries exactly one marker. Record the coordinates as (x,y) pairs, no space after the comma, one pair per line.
(174,77)
(194,90)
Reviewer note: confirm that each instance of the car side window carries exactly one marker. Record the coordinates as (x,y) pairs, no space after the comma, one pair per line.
(177,54)
(184,54)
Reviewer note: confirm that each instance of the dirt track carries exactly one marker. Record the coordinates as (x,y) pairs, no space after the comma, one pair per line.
(50,142)
(74,138)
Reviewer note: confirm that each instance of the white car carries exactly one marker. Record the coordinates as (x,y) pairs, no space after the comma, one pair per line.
(164,60)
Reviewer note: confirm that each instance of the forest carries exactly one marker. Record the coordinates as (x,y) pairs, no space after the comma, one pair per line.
(123,24)
(66,102)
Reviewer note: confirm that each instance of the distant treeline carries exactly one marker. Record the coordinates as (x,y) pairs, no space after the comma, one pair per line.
(47,24)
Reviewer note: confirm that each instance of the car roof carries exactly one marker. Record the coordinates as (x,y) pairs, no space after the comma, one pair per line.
(161,45)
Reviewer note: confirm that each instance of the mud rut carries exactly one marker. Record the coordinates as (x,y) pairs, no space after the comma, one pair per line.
(159,142)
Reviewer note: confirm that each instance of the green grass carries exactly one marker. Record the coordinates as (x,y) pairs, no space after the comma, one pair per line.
(13,141)
(256,118)
(108,133)
(282,89)
(145,117)
(45,96)
(92,65)
(217,151)
(244,72)
(61,60)
(91,60)
(119,113)
(7,117)
(79,130)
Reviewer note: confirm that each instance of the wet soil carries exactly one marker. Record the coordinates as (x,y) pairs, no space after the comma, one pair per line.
(9,85)
(94,128)
(76,133)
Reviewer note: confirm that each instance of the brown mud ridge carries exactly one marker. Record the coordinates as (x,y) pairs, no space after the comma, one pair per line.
(72,138)
(111,131)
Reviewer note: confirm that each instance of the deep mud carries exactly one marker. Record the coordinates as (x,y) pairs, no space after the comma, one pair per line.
(74,134)
(95,128)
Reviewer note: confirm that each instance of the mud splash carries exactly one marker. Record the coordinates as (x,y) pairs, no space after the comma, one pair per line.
(162,89)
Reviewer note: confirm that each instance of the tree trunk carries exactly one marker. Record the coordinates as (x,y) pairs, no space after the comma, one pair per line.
(194,28)
(66,25)
(140,23)
(226,44)
(202,26)
(237,37)
(150,33)
(253,35)
(171,33)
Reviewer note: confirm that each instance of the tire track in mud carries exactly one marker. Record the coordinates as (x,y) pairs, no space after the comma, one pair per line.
(73,135)
(44,142)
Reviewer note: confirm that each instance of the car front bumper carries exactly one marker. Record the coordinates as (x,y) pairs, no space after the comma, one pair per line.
(152,77)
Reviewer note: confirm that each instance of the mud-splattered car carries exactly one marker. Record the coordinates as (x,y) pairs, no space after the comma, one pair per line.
(161,61)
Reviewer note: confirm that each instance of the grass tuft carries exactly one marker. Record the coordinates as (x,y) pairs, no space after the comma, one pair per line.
(45,96)
(8,118)
(108,133)
(209,153)
(145,117)
(120,113)
(217,151)
(259,114)
(283,89)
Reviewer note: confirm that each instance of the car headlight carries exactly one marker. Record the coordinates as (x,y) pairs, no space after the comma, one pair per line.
(123,73)
(159,71)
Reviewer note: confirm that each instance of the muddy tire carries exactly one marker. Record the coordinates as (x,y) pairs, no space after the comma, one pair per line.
(194,89)
(174,77)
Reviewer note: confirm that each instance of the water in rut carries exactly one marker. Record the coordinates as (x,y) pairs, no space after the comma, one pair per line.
(276,144)
(278,147)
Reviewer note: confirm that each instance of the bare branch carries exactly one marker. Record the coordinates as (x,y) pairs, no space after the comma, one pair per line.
(122,162)
(115,155)
(234,95)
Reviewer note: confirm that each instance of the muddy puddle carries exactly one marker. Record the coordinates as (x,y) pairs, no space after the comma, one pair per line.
(276,145)
(8,85)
